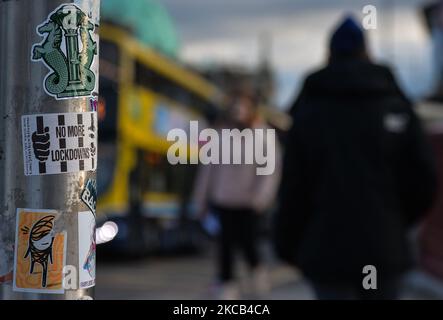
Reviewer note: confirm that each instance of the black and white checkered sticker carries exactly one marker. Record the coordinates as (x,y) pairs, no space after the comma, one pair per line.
(59,143)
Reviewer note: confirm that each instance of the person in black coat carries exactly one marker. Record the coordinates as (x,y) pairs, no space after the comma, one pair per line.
(358,173)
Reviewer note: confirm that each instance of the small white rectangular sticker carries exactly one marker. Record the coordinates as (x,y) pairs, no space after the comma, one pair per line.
(86,246)
(59,143)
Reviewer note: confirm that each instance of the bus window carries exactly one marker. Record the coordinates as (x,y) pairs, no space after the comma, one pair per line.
(109,91)
(107,110)
(107,124)
(107,115)
(161,177)
(109,52)
(105,171)
(159,84)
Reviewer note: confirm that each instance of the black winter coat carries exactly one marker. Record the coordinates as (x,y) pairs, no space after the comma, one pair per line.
(358,172)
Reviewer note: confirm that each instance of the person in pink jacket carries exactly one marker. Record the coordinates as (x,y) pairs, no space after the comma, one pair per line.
(237,195)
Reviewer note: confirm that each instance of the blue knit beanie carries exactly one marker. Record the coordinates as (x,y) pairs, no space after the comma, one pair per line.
(348,39)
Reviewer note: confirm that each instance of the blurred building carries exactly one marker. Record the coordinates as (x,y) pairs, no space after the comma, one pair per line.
(147,20)
(261,77)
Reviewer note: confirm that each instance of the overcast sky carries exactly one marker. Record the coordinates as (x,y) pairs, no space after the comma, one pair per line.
(228,31)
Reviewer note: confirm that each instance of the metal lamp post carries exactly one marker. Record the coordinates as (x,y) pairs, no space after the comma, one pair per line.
(48,71)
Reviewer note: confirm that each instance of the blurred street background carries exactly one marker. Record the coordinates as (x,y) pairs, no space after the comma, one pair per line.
(166,62)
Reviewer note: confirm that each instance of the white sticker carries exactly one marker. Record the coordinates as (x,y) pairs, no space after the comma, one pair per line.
(86,245)
(59,143)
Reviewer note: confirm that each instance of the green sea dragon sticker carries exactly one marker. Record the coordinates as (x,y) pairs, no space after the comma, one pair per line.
(67,30)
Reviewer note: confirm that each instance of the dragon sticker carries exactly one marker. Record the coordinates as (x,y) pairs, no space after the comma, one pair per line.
(69,51)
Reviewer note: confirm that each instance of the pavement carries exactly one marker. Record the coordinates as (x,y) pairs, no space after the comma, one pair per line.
(185,278)
(192,278)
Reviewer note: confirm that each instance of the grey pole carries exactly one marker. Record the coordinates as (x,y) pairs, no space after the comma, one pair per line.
(23,91)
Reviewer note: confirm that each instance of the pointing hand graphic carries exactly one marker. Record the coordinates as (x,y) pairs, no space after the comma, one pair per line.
(41,144)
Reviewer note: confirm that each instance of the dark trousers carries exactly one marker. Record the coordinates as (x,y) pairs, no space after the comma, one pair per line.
(388,290)
(238,231)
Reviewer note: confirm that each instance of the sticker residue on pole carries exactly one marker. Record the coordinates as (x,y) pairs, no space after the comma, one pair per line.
(86,245)
(6,278)
(40,252)
(59,143)
(5,267)
(69,51)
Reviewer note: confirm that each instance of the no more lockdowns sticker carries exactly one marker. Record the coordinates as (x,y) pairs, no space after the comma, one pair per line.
(59,143)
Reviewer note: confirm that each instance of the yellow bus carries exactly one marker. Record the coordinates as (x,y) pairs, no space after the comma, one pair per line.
(143,95)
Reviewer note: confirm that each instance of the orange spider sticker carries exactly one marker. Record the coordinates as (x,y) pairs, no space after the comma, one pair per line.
(40,252)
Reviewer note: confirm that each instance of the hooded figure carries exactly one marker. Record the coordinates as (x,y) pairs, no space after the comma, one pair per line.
(358,172)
